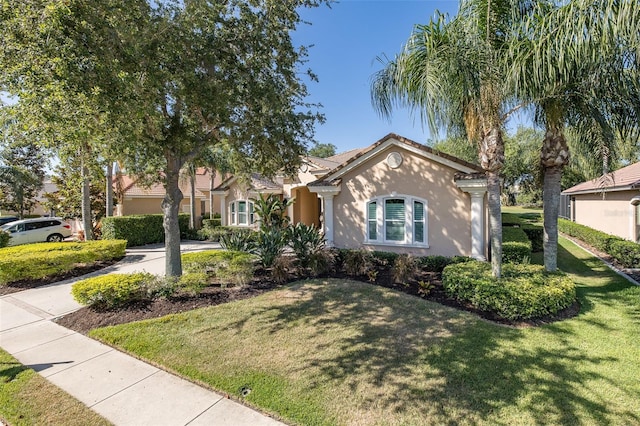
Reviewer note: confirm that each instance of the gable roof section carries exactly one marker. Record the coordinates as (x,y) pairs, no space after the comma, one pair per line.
(386,142)
(620,180)
(257,182)
(131,188)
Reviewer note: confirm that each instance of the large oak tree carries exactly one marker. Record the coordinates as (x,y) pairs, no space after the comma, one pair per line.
(169,79)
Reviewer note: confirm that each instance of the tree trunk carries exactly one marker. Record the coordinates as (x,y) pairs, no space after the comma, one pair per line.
(192,203)
(87,223)
(171,208)
(553,157)
(491,155)
(109,190)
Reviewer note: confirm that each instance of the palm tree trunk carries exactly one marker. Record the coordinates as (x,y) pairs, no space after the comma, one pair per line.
(491,154)
(171,208)
(554,156)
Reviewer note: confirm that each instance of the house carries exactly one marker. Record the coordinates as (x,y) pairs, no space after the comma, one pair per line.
(396,195)
(609,203)
(134,198)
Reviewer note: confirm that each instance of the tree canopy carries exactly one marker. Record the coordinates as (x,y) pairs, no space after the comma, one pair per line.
(152,84)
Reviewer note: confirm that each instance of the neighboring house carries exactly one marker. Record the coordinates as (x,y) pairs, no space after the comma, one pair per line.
(38,209)
(396,195)
(134,198)
(609,203)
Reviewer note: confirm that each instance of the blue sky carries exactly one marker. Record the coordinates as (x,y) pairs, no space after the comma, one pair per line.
(346,40)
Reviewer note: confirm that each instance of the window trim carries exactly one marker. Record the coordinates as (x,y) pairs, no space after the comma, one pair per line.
(249,213)
(409,222)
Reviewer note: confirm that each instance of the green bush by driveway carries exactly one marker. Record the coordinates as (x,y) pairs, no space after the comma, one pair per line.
(36,261)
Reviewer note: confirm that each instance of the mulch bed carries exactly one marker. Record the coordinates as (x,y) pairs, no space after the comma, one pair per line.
(87,318)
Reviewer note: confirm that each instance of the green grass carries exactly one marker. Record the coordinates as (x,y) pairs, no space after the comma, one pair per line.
(342,352)
(26,398)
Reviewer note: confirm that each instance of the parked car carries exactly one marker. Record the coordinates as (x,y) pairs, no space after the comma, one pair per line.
(50,229)
(6,219)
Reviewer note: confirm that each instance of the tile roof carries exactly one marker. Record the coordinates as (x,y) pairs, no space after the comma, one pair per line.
(133,189)
(621,179)
(256,182)
(342,157)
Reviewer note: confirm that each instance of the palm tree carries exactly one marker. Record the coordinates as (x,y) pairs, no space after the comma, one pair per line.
(452,72)
(569,62)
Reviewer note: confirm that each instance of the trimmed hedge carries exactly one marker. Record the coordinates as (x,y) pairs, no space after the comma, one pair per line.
(594,238)
(4,238)
(139,230)
(228,266)
(112,290)
(626,252)
(515,245)
(211,223)
(36,261)
(220,232)
(511,219)
(535,233)
(524,291)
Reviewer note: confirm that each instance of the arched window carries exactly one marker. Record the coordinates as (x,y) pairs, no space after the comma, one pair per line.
(396,220)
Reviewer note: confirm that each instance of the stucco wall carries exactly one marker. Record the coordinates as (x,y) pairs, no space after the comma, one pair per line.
(610,212)
(154,206)
(305,207)
(449,228)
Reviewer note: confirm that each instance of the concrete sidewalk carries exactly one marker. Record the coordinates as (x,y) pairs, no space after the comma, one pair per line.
(123,389)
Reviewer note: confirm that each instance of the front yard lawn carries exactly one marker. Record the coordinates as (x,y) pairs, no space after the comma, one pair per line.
(344,352)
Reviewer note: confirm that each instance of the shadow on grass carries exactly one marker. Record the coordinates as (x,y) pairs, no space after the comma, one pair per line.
(10,370)
(408,357)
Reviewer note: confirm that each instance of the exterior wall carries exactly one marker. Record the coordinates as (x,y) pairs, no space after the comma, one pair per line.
(448,208)
(152,205)
(609,212)
(306,207)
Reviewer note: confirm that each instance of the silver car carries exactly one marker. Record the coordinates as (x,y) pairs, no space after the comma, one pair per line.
(50,229)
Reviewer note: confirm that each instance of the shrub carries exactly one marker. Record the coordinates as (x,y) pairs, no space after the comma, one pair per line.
(523,292)
(625,252)
(161,286)
(594,238)
(211,223)
(139,230)
(515,245)
(270,245)
(434,263)
(4,238)
(192,283)
(511,219)
(357,262)
(404,269)
(239,240)
(535,233)
(36,261)
(280,269)
(230,267)
(110,291)
(321,262)
(384,258)
(305,241)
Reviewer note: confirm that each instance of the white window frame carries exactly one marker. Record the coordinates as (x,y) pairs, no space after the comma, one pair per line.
(234,213)
(380,219)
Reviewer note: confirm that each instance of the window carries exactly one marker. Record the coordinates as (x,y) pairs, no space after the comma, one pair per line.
(396,220)
(242,213)
(372,221)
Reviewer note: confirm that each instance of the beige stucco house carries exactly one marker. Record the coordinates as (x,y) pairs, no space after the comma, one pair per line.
(609,203)
(396,195)
(134,198)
